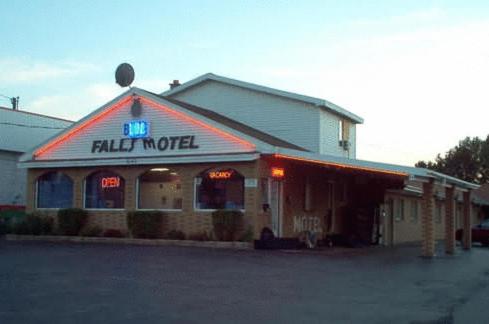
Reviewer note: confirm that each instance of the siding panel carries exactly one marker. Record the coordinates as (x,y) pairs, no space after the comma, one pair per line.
(290,120)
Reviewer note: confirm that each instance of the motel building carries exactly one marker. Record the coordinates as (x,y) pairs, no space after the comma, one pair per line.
(287,161)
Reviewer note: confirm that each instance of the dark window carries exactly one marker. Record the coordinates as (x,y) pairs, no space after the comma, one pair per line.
(220,189)
(160,188)
(54,190)
(104,189)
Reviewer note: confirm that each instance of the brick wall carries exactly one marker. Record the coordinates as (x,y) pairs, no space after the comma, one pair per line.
(187,220)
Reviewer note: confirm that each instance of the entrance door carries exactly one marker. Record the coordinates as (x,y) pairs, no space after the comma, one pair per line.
(276,192)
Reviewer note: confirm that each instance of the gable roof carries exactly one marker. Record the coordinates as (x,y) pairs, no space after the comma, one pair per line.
(320,103)
(253,132)
(21,130)
(219,123)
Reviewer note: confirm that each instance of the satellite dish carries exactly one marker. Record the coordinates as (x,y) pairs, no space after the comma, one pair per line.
(124,75)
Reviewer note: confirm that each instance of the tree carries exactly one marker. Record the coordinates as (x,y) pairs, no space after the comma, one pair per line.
(469,161)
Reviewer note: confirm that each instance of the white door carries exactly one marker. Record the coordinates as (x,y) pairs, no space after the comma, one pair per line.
(276,192)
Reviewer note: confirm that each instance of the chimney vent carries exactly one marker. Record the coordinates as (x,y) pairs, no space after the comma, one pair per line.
(15,103)
(174,84)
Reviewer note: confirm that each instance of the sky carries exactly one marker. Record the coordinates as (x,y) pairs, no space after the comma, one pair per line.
(416,71)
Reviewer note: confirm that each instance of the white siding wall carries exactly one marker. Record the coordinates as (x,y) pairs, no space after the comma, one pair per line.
(329,136)
(162,124)
(290,120)
(12,179)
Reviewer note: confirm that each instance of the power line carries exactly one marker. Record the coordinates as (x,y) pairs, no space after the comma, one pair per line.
(30,126)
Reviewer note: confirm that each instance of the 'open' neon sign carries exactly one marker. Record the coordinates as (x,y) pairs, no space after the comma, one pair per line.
(111,182)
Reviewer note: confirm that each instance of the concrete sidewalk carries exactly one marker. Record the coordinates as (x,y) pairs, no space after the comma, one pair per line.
(87,283)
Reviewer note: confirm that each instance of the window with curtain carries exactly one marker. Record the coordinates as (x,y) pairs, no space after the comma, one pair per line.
(54,190)
(160,188)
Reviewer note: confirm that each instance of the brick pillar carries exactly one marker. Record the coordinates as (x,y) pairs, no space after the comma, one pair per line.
(449,220)
(427,222)
(467,237)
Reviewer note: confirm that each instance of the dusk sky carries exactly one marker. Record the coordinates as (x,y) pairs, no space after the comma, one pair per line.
(416,71)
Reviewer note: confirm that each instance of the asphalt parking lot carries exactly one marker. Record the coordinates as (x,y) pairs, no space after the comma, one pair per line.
(89,283)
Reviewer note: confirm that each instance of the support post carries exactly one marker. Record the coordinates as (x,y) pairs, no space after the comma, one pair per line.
(449,220)
(427,222)
(467,237)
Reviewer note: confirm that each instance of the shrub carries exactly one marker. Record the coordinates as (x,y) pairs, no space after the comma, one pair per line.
(199,236)
(248,235)
(4,226)
(91,231)
(145,224)
(175,235)
(113,233)
(71,220)
(227,224)
(33,224)
(47,225)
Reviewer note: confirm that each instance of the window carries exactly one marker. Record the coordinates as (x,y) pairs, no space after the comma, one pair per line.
(400,210)
(54,190)
(219,189)
(414,211)
(341,126)
(343,131)
(104,189)
(160,188)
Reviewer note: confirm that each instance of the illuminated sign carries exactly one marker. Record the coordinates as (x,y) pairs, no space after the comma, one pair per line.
(220,174)
(278,172)
(136,129)
(111,182)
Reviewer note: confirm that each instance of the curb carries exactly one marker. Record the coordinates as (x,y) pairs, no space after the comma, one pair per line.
(131,241)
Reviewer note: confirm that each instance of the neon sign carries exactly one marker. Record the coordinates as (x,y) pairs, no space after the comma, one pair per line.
(111,182)
(278,172)
(220,174)
(136,129)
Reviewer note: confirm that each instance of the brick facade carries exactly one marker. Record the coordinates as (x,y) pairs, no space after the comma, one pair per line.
(187,220)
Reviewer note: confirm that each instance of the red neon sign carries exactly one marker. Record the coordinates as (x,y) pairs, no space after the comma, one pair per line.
(111,182)
(278,172)
(220,174)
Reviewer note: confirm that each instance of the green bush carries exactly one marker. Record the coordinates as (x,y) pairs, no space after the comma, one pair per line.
(145,224)
(33,224)
(91,231)
(71,220)
(248,235)
(175,235)
(227,224)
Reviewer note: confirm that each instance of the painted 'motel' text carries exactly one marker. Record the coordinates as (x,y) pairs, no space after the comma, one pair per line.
(164,143)
(307,223)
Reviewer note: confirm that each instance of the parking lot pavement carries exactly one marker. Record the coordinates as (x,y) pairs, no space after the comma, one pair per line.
(82,283)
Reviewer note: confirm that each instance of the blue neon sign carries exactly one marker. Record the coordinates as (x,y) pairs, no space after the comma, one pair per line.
(136,129)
